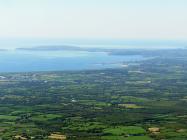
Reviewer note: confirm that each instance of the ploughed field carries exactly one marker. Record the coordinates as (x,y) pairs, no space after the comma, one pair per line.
(145,100)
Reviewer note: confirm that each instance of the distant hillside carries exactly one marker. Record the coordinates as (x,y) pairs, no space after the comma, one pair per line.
(51,48)
(142,52)
(3,50)
(152,53)
(64,48)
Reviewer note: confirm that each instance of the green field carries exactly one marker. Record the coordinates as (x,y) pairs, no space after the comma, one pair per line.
(145,101)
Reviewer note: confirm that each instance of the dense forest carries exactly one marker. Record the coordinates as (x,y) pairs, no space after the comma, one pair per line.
(144,100)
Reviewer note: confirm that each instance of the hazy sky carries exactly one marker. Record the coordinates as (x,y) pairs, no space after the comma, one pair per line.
(123,19)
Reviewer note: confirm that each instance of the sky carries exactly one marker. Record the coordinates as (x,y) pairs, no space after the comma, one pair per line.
(93,19)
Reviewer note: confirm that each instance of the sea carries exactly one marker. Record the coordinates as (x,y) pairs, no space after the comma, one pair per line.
(28,61)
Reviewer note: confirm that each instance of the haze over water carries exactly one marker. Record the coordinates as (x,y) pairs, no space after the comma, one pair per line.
(24,61)
(14,60)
